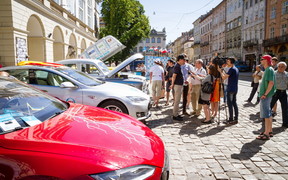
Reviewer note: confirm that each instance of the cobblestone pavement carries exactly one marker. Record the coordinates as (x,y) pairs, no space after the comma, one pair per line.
(211,151)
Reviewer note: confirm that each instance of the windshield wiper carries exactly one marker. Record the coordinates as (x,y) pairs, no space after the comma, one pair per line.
(12,130)
(55,114)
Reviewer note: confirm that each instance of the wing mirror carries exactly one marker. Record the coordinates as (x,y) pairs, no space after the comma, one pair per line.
(67,85)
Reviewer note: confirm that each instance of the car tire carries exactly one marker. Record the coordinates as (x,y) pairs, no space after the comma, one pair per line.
(114,106)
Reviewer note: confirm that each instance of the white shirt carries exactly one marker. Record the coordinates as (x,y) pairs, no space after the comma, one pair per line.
(201,72)
(157,72)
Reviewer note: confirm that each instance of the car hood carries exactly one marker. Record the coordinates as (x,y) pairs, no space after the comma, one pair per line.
(109,138)
(124,64)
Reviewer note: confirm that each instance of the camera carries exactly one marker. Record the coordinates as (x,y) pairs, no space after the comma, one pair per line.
(219,61)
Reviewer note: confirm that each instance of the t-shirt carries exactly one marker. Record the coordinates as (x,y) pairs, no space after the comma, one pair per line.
(170,71)
(179,78)
(269,75)
(157,72)
(232,85)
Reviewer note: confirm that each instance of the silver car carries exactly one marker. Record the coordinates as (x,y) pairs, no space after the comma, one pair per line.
(98,69)
(74,86)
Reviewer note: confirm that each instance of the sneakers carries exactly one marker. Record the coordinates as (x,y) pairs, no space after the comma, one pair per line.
(177,118)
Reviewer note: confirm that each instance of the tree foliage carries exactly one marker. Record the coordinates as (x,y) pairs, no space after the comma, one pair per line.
(125,20)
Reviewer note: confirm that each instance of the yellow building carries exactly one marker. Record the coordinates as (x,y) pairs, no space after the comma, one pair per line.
(45,30)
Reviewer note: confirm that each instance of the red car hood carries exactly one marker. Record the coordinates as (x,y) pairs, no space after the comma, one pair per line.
(113,140)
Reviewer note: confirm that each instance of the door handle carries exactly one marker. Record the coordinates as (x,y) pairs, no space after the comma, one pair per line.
(44,90)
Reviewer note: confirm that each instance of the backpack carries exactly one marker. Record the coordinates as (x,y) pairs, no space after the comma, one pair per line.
(208,87)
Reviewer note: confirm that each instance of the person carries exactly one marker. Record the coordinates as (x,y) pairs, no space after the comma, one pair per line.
(138,67)
(267,90)
(168,79)
(232,88)
(280,94)
(197,75)
(215,96)
(143,69)
(177,85)
(157,79)
(225,83)
(257,75)
(204,99)
(275,67)
(186,68)
(4,73)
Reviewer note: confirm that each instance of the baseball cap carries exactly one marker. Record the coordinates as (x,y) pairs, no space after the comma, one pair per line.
(268,58)
(157,60)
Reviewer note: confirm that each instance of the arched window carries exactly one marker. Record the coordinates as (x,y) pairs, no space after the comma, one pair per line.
(153,40)
(159,40)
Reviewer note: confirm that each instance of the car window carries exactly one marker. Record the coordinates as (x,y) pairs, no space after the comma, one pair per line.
(73,66)
(20,74)
(49,78)
(80,76)
(24,106)
(90,69)
(103,67)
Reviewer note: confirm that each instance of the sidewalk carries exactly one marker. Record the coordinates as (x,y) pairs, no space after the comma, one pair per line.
(201,151)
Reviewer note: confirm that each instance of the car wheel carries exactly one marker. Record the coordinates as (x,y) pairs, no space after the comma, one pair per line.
(114,106)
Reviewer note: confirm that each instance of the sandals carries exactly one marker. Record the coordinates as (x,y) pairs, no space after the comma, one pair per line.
(263,137)
(270,134)
(207,122)
(166,104)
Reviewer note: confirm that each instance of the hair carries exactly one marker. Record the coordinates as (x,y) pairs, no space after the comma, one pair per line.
(171,61)
(199,61)
(231,59)
(180,57)
(213,71)
(282,62)
(275,59)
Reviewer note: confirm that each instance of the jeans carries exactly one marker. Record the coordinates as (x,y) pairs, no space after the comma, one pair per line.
(231,101)
(281,95)
(265,110)
(184,96)
(254,90)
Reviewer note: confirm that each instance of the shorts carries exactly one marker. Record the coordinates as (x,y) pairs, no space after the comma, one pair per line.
(265,110)
(201,101)
(168,84)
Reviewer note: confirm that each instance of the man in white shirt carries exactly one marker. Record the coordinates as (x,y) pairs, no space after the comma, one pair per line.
(157,81)
(199,71)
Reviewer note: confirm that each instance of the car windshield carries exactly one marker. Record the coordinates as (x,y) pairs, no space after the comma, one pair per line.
(80,76)
(22,106)
(103,67)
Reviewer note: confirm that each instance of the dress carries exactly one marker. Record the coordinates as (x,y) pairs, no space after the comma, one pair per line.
(215,96)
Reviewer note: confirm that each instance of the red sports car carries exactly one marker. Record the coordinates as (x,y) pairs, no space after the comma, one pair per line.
(44,138)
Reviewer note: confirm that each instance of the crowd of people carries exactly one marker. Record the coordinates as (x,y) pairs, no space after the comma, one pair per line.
(204,86)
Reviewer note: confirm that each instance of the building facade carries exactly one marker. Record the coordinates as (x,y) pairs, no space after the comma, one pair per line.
(188,41)
(253,31)
(233,28)
(153,44)
(276,34)
(43,30)
(218,29)
(206,37)
(197,40)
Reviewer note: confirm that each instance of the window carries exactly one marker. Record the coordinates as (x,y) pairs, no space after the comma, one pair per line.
(272,32)
(140,49)
(285,7)
(283,29)
(251,3)
(261,33)
(256,1)
(81,10)
(273,13)
(246,5)
(89,13)
(158,40)
(147,40)
(153,40)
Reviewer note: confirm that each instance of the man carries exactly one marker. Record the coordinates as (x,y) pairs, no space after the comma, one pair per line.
(199,71)
(186,68)
(157,79)
(281,95)
(168,79)
(177,85)
(267,90)
(275,67)
(232,89)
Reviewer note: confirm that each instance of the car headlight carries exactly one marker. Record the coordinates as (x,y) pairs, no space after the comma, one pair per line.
(139,172)
(136,98)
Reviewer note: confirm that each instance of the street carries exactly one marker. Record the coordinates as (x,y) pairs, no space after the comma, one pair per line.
(211,151)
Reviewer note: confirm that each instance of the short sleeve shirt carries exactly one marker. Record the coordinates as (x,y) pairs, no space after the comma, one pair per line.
(232,85)
(269,75)
(179,78)
(157,72)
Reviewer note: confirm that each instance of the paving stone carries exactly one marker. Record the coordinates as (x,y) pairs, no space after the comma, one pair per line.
(221,176)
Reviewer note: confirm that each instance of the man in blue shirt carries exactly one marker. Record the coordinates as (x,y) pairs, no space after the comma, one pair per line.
(232,89)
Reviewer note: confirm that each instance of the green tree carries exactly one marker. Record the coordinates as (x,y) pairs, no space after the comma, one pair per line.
(125,20)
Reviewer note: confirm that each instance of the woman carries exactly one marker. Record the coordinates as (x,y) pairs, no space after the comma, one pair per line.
(204,99)
(215,96)
(257,75)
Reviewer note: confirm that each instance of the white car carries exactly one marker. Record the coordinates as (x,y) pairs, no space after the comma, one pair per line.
(98,69)
(74,86)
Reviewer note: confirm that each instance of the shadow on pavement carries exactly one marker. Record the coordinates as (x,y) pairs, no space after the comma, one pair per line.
(248,150)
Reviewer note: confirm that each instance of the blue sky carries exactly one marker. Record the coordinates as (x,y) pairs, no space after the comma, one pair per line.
(176,16)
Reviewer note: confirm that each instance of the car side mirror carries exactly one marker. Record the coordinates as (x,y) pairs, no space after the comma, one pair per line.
(67,85)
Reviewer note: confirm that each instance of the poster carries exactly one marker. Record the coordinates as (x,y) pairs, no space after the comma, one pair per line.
(21,49)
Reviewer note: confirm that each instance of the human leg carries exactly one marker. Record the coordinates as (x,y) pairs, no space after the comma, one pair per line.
(185,93)
(197,95)
(177,98)
(284,106)
(230,105)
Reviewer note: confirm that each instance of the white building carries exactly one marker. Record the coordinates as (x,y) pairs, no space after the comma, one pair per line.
(46,30)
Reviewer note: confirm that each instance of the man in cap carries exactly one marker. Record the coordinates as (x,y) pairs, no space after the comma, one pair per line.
(267,90)
(157,79)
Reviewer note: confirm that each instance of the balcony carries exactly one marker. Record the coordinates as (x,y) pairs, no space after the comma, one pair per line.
(276,41)
(250,43)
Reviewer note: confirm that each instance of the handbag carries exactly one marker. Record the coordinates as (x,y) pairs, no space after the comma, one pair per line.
(208,87)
